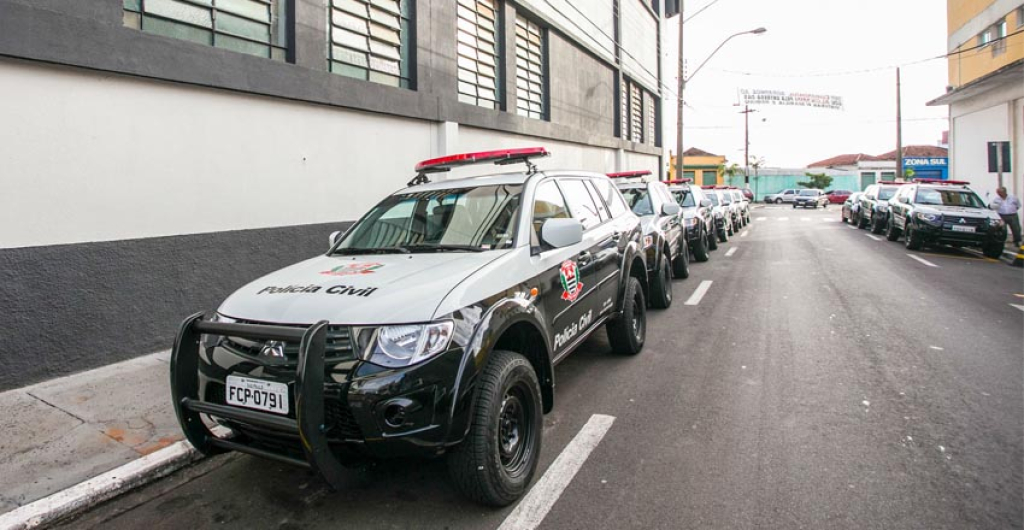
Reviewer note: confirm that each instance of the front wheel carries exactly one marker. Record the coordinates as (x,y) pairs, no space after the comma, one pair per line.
(497,460)
(700,249)
(712,240)
(681,263)
(628,332)
(723,236)
(877,226)
(661,285)
(912,239)
(778,201)
(993,250)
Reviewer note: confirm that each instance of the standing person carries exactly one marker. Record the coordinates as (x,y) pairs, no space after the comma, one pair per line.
(1007,206)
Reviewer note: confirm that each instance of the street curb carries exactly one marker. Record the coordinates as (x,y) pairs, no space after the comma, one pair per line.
(89,493)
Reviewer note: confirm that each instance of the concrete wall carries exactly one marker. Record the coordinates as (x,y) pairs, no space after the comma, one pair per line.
(992,117)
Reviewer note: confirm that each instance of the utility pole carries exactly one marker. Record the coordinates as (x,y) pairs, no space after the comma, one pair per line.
(679,109)
(746,143)
(899,130)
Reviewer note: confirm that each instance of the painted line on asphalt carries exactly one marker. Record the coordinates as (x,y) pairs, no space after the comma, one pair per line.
(922,260)
(535,506)
(805,219)
(876,238)
(731,252)
(851,227)
(1021,307)
(745,233)
(697,295)
(782,218)
(761,218)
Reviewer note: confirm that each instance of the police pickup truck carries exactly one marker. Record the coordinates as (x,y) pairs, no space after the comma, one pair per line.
(431,327)
(935,211)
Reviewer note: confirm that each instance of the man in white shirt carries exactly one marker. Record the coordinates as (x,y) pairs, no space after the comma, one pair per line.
(1007,206)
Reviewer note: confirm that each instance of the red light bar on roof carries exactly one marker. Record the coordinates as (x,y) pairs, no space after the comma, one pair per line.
(707,187)
(941,181)
(890,183)
(500,157)
(679,181)
(627,174)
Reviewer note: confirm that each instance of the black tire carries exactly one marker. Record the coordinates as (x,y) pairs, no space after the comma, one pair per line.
(627,333)
(876,226)
(891,232)
(712,240)
(497,460)
(862,223)
(794,206)
(681,263)
(700,249)
(912,239)
(661,286)
(723,236)
(993,250)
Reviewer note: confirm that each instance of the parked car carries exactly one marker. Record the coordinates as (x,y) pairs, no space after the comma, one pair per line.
(851,208)
(731,205)
(664,239)
(748,194)
(811,198)
(874,205)
(697,217)
(723,220)
(429,328)
(838,196)
(932,212)
(781,197)
(744,204)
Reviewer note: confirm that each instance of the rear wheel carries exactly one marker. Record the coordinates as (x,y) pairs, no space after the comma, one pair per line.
(712,240)
(723,236)
(912,239)
(497,460)
(700,249)
(778,201)
(681,263)
(877,225)
(661,285)
(627,333)
(891,232)
(862,222)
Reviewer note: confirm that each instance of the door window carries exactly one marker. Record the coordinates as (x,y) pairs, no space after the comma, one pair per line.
(581,204)
(548,203)
(611,197)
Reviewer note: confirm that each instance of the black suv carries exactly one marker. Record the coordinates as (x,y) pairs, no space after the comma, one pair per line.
(431,327)
(874,205)
(698,216)
(663,238)
(932,211)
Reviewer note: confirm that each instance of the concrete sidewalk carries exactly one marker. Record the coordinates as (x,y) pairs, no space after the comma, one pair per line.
(56,434)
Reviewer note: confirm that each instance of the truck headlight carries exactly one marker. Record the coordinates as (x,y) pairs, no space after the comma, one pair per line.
(408,344)
(929,218)
(648,241)
(213,340)
(691,222)
(881,207)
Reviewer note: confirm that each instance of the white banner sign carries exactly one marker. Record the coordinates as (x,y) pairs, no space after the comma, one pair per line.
(782,98)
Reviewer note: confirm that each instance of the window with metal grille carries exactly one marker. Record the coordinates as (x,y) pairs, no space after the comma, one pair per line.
(638,120)
(636,114)
(531,68)
(651,118)
(624,108)
(371,40)
(256,27)
(478,53)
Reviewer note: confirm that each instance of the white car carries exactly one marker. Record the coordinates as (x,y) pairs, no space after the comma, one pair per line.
(782,196)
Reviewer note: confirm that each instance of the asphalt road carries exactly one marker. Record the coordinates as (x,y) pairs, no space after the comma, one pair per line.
(824,380)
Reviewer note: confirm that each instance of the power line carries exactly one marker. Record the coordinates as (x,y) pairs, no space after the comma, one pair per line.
(699,11)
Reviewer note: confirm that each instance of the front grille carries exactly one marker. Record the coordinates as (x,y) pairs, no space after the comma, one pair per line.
(948,222)
(339,344)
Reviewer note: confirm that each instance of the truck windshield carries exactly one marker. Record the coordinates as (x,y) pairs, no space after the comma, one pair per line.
(713,197)
(459,219)
(639,200)
(684,198)
(808,193)
(885,194)
(963,198)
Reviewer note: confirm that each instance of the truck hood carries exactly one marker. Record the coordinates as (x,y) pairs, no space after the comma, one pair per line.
(959,210)
(374,289)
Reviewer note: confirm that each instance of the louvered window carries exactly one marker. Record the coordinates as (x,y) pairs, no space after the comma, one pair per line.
(477,50)
(370,39)
(256,27)
(636,114)
(531,66)
(651,118)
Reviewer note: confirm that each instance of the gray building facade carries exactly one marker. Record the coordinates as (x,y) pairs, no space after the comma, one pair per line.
(158,154)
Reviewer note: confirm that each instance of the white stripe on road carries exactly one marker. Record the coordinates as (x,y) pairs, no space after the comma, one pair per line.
(805,219)
(1021,307)
(876,238)
(782,218)
(745,233)
(697,295)
(761,218)
(536,505)
(851,227)
(922,260)
(731,252)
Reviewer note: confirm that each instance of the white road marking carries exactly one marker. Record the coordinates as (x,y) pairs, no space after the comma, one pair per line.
(851,227)
(697,295)
(761,218)
(876,238)
(805,219)
(538,502)
(922,260)
(731,252)
(1021,307)
(782,218)
(745,233)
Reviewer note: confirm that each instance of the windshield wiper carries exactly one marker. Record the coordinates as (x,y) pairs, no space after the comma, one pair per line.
(441,248)
(379,250)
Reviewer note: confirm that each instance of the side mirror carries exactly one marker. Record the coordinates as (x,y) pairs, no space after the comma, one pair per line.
(334,237)
(561,233)
(670,209)
(705,203)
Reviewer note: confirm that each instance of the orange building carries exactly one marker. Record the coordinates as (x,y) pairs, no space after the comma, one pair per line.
(703,167)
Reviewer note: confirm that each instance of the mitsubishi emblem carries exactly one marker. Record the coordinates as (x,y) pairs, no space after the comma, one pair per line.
(963,221)
(273,349)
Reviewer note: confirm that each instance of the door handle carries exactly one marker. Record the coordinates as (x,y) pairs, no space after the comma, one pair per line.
(585,257)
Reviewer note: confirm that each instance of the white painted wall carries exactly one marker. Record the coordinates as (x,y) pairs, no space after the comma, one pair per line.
(971,134)
(640,43)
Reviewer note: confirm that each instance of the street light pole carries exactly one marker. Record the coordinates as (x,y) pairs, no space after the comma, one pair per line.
(683,80)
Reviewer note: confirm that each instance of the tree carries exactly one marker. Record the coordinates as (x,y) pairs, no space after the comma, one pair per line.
(729,171)
(817,181)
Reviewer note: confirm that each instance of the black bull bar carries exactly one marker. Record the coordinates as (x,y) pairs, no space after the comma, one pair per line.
(309,394)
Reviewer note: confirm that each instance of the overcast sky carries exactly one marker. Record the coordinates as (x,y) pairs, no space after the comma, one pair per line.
(809,46)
